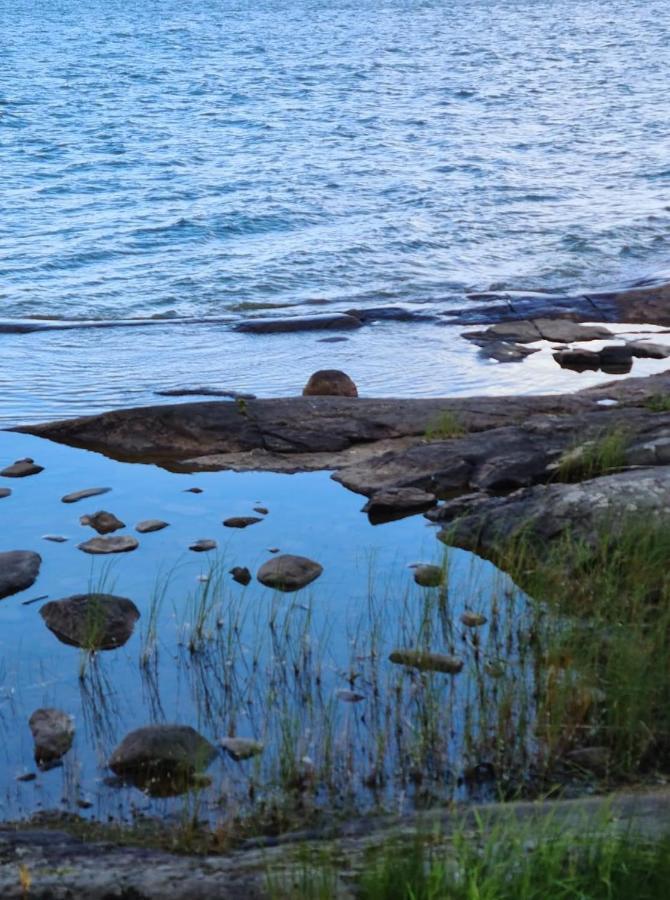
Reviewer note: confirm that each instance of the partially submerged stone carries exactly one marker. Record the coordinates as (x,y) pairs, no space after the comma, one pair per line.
(299,323)
(103,522)
(53,733)
(75,496)
(149,525)
(18,570)
(241,521)
(429,576)
(54,538)
(427,662)
(21,469)
(330,383)
(241,575)
(261,510)
(241,748)
(91,621)
(5,492)
(102,545)
(162,751)
(396,502)
(203,545)
(473,619)
(289,573)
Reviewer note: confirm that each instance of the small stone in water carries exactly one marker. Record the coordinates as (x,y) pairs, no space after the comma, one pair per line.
(273,549)
(262,510)
(349,696)
(428,576)
(5,492)
(149,525)
(55,538)
(103,522)
(241,574)
(101,545)
(202,546)
(424,661)
(83,495)
(241,521)
(472,619)
(21,468)
(241,748)
(193,490)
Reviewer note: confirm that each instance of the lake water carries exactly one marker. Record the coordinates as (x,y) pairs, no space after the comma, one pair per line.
(233,158)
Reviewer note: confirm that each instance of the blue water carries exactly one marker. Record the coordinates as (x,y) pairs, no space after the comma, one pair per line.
(214,158)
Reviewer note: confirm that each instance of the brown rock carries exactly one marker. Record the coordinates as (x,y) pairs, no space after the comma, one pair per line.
(289,573)
(21,469)
(53,733)
(103,522)
(330,383)
(102,545)
(425,661)
(241,521)
(91,621)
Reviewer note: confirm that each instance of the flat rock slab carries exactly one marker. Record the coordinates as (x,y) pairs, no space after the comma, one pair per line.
(83,495)
(91,621)
(203,546)
(299,323)
(18,570)
(21,469)
(53,733)
(398,500)
(102,545)
(147,526)
(54,538)
(241,521)
(103,522)
(289,573)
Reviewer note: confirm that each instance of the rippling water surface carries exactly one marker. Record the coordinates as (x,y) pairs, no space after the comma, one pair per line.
(204,158)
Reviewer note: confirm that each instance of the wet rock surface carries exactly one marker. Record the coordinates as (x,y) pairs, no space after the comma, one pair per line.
(241,521)
(328,322)
(162,750)
(147,526)
(91,621)
(53,733)
(76,496)
(241,575)
(18,571)
(103,545)
(289,573)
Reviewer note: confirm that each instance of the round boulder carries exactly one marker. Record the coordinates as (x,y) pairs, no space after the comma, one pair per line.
(91,621)
(330,383)
(18,570)
(162,751)
(53,733)
(288,573)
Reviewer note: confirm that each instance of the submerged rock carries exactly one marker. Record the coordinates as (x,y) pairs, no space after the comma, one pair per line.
(241,521)
(202,546)
(103,522)
(18,570)
(149,525)
(330,383)
(425,661)
(83,495)
(429,576)
(91,621)
(21,469)
(241,748)
(162,751)
(289,573)
(53,733)
(472,619)
(349,696)
(101,545)
(299,323)
(5,492)
(241,575)
(261,510)
(54,538)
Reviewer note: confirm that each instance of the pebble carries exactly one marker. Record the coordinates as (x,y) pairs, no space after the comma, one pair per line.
(202,546)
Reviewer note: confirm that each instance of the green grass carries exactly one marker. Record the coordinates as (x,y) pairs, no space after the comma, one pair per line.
(444,426)
(534,861)
(658,403)
(600,456)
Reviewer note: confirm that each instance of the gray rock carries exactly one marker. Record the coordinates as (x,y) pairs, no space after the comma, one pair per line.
(429,576)
(202,546)
(578,360)
(648,350)
(5,492)
(91,621)
(261,510)
(241,521)
(473,619)
(394,501)
(162,750)
(149,525)
(241,748)
(241,575)
(21,469)
(102,545)
(53,733)
(103,522)
(428,662)
(18,570)
(328,322)
(288,573)
(505,352)
(330,383)
(54,538)
(83,495)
